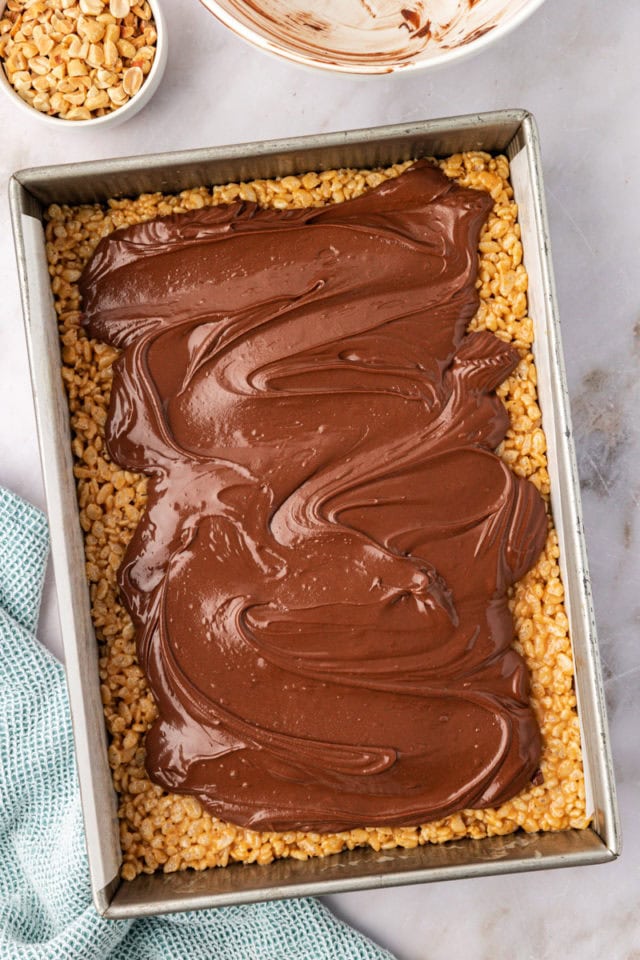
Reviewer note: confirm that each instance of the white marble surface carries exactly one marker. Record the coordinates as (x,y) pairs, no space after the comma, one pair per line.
(574,65)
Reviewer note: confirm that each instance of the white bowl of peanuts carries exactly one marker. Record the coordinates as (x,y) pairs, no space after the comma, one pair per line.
(81,62)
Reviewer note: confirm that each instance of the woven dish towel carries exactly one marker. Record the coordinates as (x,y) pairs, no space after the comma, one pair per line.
(45,903)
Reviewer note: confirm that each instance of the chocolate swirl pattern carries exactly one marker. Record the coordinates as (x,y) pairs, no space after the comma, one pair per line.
(319,584)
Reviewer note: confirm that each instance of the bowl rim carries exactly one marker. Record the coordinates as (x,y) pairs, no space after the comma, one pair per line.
(135,103)
(268,45)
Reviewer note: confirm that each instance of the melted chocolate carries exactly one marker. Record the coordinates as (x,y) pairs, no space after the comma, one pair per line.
(319,583)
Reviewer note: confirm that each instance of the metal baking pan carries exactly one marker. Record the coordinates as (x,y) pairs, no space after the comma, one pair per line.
(510,131)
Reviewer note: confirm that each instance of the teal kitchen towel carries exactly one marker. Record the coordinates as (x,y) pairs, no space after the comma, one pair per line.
(46,911)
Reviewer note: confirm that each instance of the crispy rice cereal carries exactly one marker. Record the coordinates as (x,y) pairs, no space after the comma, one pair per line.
(160,830)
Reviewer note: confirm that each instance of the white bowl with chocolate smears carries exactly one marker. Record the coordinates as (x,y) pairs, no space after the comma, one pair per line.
(371,36)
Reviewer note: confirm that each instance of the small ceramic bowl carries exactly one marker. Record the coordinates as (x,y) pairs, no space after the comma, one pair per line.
(129,109)
(371,36)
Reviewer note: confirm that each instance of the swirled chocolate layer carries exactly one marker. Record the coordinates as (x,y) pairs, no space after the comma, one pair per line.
(319,583)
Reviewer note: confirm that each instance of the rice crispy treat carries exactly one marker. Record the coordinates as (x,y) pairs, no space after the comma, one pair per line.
(159,830)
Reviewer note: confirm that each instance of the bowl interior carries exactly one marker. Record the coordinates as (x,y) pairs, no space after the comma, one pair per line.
(370,36)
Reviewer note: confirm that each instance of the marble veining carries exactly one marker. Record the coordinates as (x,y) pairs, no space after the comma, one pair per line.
(602,427)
